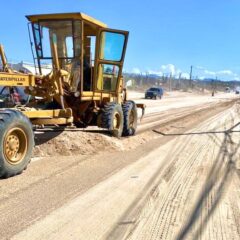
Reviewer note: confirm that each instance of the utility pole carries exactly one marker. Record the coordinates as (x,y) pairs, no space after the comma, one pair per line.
(191,76)
(170,82)
(179,79)
(215,85)
(212,88)
(146,81)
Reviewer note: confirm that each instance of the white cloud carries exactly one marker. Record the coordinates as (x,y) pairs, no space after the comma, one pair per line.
(136,71)
(185,75)
(215,73)
(200,67)
(169,68)
(207,72)
(198,71)
(221,74)
(226,72)
(159,73)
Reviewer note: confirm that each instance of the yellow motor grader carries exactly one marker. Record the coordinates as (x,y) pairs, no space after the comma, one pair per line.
(77,82)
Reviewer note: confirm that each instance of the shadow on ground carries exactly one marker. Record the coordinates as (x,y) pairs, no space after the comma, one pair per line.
(217,181)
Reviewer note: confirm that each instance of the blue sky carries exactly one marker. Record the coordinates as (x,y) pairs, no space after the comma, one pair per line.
(165,35)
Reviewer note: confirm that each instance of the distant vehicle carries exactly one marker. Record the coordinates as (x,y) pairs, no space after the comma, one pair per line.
(154,93)
(227,90)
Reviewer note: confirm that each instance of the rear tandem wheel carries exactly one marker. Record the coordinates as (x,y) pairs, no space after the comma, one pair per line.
(130,118)
(112,119)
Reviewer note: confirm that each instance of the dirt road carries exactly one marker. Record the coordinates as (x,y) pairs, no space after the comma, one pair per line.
(179,181)
(174,106)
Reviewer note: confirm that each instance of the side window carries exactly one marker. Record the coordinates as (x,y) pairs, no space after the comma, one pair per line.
(92,49)
(45,42)
(69,47)
(77,37)
(112,45)
(89,49)
(36,30)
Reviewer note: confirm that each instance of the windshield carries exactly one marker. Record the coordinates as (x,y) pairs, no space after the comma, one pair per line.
(112,46)
(153,89)
(66,34)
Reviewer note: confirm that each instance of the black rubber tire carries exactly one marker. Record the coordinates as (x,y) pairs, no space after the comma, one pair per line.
(12,119)
(108,114)
(129,129)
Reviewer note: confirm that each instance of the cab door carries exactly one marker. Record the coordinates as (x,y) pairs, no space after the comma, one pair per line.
(110,54)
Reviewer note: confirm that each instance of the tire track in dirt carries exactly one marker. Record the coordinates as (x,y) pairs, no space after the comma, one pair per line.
(177,150)
(208,201)
(167,204)
(151,121)
(217,182)
(165,218)
(173,153)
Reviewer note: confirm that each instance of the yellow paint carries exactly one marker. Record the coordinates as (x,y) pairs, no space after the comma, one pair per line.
(56,113)
(14,79)
(77,16)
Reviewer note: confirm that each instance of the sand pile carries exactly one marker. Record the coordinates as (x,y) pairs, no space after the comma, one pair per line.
(73,143)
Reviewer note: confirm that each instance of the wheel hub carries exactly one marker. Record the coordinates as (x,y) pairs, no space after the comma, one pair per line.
(116,121)
(131,119)
(15,145)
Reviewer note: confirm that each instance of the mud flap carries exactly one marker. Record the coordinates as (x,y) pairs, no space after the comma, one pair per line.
(142,106)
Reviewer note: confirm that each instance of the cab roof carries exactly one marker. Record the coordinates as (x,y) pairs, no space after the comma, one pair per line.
(62,16)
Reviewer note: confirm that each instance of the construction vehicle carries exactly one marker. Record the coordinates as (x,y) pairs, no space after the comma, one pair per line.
(77,82)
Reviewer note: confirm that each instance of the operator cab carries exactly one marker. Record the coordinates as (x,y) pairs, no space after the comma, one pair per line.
(92,54)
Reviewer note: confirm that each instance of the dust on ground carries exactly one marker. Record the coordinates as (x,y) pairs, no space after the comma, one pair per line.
(81,142)
(183,189)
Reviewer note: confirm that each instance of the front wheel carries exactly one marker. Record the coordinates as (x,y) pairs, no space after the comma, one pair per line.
(16,142)
(130,118)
